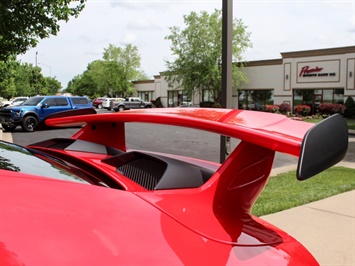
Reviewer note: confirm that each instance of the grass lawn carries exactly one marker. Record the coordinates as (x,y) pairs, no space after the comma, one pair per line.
(350,122)
(284,191)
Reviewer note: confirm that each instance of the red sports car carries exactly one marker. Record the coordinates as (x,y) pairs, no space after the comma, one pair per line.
(90,200)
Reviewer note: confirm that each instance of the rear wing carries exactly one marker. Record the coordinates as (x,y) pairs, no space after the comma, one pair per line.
(229,194)
(318,146)
(323,146)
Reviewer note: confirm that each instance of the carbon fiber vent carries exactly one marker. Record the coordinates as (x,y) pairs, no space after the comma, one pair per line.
(144,171)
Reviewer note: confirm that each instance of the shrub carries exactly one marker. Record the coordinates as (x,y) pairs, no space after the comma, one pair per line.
(157,103)
(326,109)
(349,111)
(272,108)
(285,108)
(302,110)
(206,104)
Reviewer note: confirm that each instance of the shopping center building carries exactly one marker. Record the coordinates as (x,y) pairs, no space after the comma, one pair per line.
(305,77)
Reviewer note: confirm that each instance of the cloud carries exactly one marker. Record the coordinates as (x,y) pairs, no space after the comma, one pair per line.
(129,38)
(275,26)
(142,24)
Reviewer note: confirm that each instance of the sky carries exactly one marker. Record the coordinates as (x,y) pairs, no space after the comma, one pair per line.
(275,26)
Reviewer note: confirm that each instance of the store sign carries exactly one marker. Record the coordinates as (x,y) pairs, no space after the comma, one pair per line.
(322,71)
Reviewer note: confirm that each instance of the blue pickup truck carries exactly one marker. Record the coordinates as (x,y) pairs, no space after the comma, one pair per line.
(35,109)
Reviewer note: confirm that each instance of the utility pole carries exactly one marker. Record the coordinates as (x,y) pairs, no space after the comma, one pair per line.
(226,99)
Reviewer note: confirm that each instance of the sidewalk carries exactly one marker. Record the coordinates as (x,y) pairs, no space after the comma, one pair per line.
(5,136)
(326,227)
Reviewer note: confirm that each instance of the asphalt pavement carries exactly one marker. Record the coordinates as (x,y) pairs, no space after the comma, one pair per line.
(325,227)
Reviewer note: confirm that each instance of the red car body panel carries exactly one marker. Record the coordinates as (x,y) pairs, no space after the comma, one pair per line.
(74,224)
(51,222)
(275,132)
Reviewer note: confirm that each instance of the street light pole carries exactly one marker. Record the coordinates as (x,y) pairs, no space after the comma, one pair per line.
(36,75)
(226,95)
(50,68)
(50,73)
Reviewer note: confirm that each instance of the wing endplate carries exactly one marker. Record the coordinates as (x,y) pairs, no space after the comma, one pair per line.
(323,146)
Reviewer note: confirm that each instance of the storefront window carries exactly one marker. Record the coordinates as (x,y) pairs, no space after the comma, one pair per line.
(313,98)
(339,96)
(255,99)
(307,97)
(177,98)
(146,96)
(173,98)
(242,99)
(207,96)
(328,96)
(297,97)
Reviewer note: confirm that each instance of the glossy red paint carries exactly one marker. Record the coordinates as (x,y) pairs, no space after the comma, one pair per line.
(51,222)
(61,223)
(272,131)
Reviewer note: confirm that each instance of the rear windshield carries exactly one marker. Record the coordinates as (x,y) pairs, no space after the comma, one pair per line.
(18,159)
(80,100)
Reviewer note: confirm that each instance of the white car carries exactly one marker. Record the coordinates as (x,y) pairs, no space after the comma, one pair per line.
(108,103)
(13,102)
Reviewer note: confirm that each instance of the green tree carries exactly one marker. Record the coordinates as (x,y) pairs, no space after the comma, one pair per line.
(53,85)
(142,76)
(23,79)
(24,86)
(103,77)
(198,54)
(7,80)
(22,23)
(73,84)
(112,75)
(88,83)
(80,85)
(122,66)
(38,82)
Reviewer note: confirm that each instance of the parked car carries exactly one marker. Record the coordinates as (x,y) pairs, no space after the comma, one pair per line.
(131,103)
(91,200)
(107,103)
(97,102)
(13,102)
(116,101)
(2,100)
(35,109)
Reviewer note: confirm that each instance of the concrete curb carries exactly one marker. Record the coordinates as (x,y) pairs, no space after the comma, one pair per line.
(5,136)
(324,227)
